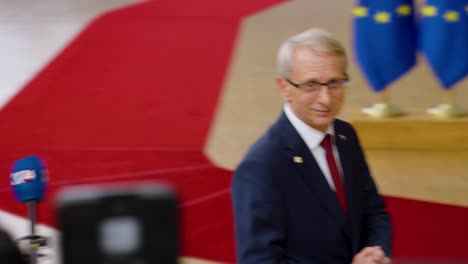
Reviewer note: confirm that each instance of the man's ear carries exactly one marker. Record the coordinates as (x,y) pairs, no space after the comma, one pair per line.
(283,88)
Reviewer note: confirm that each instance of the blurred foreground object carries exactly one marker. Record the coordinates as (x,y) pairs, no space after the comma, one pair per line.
(9,252)
(118,223)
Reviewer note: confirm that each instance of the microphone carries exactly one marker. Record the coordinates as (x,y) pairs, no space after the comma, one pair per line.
(28,181)
(28,178)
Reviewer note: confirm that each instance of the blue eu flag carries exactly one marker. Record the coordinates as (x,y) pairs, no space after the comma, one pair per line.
(444,39)
(384,40)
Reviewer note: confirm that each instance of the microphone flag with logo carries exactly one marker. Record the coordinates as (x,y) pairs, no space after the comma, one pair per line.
(444,39)
(385,40)
(27,179)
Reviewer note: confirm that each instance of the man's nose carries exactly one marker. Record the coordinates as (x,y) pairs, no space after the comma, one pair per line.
(324,94)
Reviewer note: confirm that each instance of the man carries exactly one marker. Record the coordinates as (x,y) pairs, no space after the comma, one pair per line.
(301,196)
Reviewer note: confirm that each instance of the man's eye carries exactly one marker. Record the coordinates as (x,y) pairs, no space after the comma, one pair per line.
(312,85)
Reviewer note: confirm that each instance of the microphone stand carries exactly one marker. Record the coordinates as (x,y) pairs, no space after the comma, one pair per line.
(35,241)
(32,216)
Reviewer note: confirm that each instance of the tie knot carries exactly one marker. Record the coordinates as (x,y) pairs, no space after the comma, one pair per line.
(326,143)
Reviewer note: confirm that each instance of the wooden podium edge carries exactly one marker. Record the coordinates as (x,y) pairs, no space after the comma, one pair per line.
(414,131)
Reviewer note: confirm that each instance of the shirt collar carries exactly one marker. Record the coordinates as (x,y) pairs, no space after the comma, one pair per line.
(311,136)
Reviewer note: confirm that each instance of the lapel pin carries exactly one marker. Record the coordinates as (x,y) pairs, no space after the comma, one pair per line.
(342,137)
(298,159)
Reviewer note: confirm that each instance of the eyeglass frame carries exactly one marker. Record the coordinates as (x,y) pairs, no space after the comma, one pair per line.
(317,89)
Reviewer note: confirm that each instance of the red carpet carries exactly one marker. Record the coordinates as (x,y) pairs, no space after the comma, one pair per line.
(433,233)
(133,98)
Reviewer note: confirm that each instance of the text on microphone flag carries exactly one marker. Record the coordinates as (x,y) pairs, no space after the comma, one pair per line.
(23,176)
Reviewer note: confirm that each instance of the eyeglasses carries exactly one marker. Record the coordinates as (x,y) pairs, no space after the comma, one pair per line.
(334,86)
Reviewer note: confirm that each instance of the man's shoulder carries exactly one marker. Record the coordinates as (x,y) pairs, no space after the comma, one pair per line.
(344,127)
(339,123)
(262,161)
(266,144)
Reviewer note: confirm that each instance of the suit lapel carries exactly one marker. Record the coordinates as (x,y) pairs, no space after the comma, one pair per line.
(345,153)
(308,169)
(343,141)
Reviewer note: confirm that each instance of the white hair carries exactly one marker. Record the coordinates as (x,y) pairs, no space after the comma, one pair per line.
(318,40)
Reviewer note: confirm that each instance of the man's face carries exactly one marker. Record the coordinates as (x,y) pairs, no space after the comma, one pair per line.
(317,108)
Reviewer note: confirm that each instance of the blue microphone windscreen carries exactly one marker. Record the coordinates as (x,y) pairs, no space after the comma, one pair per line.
(27,179)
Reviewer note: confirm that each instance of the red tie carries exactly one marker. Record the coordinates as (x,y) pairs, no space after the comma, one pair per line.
(335,173)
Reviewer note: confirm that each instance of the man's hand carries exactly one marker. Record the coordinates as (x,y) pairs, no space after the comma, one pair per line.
(371,255)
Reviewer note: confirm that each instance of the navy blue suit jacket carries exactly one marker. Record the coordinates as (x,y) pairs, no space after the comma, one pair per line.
(286,212)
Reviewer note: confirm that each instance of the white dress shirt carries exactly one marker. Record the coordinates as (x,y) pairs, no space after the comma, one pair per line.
(312,138)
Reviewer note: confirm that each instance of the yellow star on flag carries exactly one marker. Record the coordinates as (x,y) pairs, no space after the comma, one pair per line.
(466,8)
(382,17)
(452,16)
(403,10)
(429,11)
(360,11)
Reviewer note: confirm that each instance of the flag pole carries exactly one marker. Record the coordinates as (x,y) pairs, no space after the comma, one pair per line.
(385,108)
(448,108)
(385,96)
